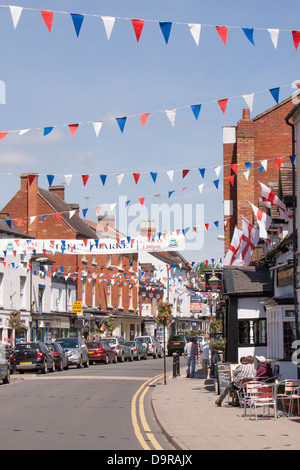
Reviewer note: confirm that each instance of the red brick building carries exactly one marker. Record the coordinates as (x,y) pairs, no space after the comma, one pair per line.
(106,284)
(253,140)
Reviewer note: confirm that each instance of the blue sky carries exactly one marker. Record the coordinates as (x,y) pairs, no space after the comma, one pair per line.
(57,78)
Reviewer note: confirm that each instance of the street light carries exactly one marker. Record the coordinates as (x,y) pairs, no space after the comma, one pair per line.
(214,281)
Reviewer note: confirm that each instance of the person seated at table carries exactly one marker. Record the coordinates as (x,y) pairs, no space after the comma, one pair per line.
(264,370)
(244,371)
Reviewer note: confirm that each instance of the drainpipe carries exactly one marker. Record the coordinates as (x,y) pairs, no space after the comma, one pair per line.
(295,261)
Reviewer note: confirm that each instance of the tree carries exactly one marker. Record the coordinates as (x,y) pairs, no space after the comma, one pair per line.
(15,322)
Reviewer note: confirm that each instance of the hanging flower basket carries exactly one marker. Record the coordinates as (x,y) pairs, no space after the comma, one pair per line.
(164,316)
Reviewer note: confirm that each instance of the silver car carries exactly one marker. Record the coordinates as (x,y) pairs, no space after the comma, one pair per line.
(76,351)
(154,348)
(4,366)
(120,346)
(139,350)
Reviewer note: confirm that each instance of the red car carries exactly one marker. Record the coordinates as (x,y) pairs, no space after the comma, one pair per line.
(100,351)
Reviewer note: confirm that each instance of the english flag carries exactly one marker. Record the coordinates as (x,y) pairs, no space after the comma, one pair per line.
(230,258)
(271,200)
(264,221)
(249,241)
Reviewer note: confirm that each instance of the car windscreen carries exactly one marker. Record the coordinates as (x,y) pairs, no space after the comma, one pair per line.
(179,338)
(26,347)
(145,339)
(51,347)
(68,343)
(93,345)
(111,341)
(130,343)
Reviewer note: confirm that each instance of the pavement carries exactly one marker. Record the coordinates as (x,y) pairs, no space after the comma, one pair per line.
(187,415)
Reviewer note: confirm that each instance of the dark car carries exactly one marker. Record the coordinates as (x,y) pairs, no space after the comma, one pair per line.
(100,351)
(176,344)
(59,356)
(32,356)
(4,366)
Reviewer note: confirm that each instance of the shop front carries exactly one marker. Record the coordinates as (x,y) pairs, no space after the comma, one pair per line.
(48,327)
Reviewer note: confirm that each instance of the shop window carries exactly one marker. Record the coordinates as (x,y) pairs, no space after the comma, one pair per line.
(253,332)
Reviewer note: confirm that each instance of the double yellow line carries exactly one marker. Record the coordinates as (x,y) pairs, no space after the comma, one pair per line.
(142,392)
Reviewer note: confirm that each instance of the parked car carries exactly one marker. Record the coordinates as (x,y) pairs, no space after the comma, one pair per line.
(4,366)
(59,356)
(119,345)
(154,348)
(139,350)
(101,351)
(176,344)
(76,351)
(32,356)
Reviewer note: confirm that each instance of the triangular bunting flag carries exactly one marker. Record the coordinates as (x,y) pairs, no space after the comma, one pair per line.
(142,199)
(292,158)
(195,30)
(296,38)
(48,18)
(77,21)
(216,183)
(170,174)
(248,165)
(73,129)
(264,164)
(47,130)
(85,179)
(231,179)
(120,177)
(108,22)
(144,118)
(136,177)
(103,179)
(97,127)
(184,173)
(275,93)
(50,179)
(68,179)
(3,134)
(31,179)
(249,34)
(138,28)
(249,100)
(121,122)
(171,113)
(171,192)
(217,170)
(8,221)
(58,216)
(154,176)
(84,211)
(278,162)
(202,172)
(32,219)
(200,187)
(196,108)
(246,174)
(15,14)
(274,33)
(166,29)
(233,166)
(223,30)
(223,104)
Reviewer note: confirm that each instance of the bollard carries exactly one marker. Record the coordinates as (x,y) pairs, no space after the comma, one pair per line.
(176,365)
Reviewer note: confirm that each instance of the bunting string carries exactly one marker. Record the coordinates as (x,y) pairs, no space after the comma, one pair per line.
(165,27)
(170,113)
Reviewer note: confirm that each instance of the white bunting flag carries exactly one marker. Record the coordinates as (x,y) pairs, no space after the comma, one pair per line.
(120,177)
(71,213)
(249,100)
(217,170)
(32,219)
(23,131)
(274,33)
(246,174)
(15,14)
(195,30)
(108,22)
(171,113)
(170,174)
(97,127)
(68,179)
(200,187)
(264,163)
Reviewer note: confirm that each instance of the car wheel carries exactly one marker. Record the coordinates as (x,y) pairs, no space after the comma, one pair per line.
(45,368)
(53,367)
(7,378)
(122,357)
(131,357)
(80,364)
(145,357)
(138,357)
(87,363)
(67,366)
(106,360)
(115,359)
(155,355)
(60,366)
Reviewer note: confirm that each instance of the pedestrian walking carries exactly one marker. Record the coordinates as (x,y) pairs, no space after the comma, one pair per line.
(190,353)
(206,355)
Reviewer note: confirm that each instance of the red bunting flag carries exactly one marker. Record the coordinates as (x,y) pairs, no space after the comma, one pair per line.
(195,229)
(58,216)
(136,177)
(278,162)
(142,199)
(206,226)
(144,118)
(233,166)
(31,179)
(48,18)
(73,129)
(184,173)
(85,179)
(296,38)
(223,104)
(231,179)
(223,30)
(138,28)
(3,134)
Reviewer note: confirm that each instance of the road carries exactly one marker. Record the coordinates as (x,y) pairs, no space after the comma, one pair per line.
(103,407)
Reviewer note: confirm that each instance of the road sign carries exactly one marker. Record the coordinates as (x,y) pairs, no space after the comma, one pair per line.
(77,306)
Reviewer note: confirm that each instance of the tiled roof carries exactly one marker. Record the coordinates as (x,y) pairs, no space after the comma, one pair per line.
(247,280)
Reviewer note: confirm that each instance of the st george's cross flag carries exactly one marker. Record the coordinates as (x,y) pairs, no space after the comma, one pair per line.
(264,221)
(230,258)
(271,200)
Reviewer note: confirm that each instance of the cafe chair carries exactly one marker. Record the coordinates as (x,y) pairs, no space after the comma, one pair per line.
(290,394)
(263,395)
